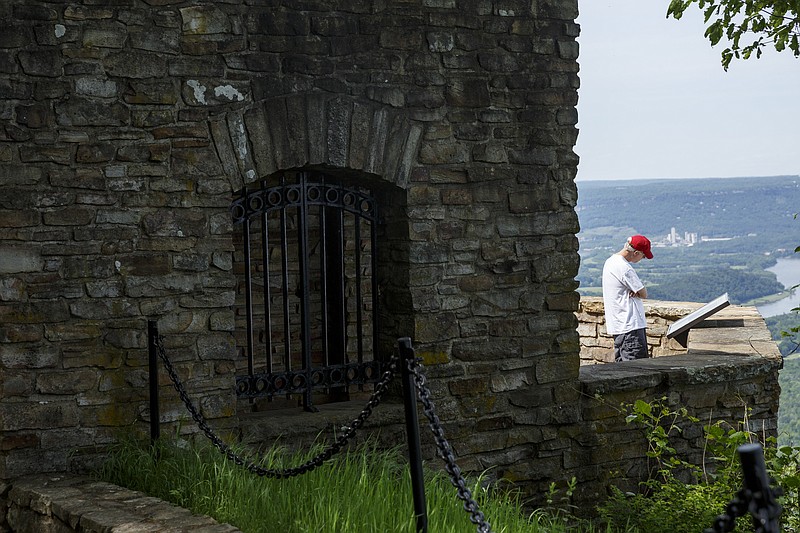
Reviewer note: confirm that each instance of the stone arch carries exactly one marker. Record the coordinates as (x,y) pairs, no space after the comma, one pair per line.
(365,143)
(315,130)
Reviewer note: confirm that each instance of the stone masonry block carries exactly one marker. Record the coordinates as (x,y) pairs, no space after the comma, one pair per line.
(510,381)
(54,414)
(204,20)
(338,119)
(17,259)
(66,382)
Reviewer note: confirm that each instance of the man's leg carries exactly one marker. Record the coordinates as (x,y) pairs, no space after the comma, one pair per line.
(631,345)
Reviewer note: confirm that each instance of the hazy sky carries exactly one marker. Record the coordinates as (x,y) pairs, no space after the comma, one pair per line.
(654,101)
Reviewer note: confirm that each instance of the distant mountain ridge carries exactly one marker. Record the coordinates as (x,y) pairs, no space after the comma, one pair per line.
(727,231)
(763,207)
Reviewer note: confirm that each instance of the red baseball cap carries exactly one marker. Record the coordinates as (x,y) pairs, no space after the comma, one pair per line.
(641,243)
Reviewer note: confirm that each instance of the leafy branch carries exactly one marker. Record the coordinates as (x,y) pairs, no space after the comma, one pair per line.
(748,26)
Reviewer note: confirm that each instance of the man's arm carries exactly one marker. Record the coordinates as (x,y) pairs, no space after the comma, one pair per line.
(632,280)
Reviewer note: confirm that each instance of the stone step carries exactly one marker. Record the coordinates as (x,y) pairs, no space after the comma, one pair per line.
(64,503)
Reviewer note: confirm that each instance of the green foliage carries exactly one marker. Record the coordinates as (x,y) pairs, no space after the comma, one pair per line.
(660,423)
(685,508)
(690,507)
(559,505)
(748,26)
(704,286)
(359,491)
(788,412)
(785,330)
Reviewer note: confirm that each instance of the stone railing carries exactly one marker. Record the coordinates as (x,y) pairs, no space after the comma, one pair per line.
(597,346)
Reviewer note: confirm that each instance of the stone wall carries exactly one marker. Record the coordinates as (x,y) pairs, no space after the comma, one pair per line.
(127,127)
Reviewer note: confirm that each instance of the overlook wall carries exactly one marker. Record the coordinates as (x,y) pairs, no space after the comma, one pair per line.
(728,373)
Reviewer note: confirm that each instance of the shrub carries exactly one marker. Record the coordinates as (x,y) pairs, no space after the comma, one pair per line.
(667,502)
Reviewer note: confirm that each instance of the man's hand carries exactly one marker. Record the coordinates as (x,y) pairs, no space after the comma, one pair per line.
(641,293)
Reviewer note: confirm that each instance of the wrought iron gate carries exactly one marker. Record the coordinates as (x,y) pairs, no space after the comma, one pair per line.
(308,295)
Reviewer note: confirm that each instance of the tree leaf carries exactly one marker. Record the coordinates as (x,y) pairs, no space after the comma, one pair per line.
(774,23)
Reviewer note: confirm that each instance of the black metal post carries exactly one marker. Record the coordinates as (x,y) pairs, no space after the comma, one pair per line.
(757,498)
(766,518)
(412,429)
(155,415)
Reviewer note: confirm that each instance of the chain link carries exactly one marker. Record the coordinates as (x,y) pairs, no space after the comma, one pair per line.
(445,451)
(380,390)
(737,507)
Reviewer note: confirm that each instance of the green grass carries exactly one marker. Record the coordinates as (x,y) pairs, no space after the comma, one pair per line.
(361,491)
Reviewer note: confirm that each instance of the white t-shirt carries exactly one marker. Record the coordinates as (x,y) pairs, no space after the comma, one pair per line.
(624,313)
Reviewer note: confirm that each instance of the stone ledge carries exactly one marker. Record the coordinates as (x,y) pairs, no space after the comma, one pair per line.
(687,369)
(64,503)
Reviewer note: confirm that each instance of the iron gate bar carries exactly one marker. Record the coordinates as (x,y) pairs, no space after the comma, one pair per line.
(359,321)
(338,259)
(287,343)
(323,274)
(374,279)
(328,202)
(328,377)
(248,294)
(267,293)
(305,311)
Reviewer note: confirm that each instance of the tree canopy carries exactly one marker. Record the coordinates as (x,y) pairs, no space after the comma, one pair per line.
(749,26)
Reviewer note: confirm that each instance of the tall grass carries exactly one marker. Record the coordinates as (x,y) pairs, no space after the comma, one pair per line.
(361,491)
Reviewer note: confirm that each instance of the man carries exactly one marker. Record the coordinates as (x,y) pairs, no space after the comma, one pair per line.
(623,293)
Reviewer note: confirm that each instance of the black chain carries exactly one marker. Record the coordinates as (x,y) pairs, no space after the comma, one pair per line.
(380,389)
(737,507)
(445,451)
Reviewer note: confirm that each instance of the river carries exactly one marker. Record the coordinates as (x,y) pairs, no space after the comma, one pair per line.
(788,272)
